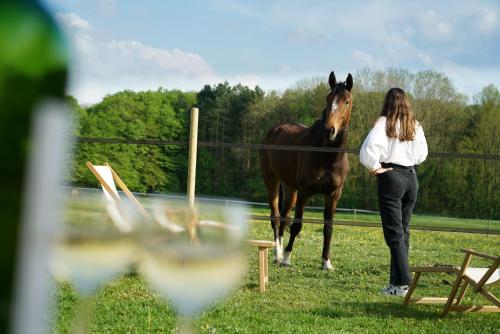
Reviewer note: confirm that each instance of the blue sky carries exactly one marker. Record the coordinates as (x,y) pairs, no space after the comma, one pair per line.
(185,44)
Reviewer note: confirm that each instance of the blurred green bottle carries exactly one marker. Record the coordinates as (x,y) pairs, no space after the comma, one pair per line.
(33,67)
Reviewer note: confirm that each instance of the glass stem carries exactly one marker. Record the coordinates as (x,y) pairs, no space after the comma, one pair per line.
(186,325)
(83,315)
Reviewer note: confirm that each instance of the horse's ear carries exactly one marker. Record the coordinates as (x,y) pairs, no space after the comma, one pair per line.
(348,82)
(332,81)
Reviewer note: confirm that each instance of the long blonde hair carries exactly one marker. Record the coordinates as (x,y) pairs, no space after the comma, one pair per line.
(397,108)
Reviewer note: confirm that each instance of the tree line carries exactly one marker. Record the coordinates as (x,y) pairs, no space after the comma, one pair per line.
(239,114)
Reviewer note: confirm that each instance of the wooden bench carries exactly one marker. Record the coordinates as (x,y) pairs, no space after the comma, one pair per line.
(263,246)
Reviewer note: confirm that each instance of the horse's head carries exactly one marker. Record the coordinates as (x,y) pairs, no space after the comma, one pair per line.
(337,113)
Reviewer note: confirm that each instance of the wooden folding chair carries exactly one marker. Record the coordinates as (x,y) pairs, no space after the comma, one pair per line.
(107,178)
(477,278)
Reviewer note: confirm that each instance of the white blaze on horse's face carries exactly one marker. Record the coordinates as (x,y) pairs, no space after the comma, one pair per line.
(333,120)
(334,106)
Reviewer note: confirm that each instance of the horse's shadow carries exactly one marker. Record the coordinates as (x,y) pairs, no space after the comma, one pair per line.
(374,309)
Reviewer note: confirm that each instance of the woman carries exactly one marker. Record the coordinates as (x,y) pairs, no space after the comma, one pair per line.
(390,151)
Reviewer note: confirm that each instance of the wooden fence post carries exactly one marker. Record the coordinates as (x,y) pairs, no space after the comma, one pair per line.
(193,144)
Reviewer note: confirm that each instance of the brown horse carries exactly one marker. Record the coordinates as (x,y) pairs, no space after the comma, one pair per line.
(304,174)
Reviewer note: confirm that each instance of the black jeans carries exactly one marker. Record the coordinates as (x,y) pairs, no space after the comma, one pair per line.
(397,194)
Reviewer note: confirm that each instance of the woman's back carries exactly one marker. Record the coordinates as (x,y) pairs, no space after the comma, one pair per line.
(379,147)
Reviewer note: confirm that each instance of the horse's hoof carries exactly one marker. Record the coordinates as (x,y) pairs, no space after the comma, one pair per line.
(286,261)
(278,253)
(327,265)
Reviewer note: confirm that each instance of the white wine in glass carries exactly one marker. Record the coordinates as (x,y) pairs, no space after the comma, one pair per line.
(195,266)
(88,261)
(89,250)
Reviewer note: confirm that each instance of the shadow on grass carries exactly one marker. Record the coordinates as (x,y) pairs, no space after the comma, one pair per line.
(375,309)
(251,286)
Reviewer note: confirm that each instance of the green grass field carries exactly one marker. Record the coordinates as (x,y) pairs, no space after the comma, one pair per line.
(303,298)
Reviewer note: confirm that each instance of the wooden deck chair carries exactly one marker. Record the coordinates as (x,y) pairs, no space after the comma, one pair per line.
(477,278)
(107,178)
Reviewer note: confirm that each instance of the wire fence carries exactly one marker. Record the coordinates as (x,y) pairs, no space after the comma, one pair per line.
(492,227)
(247,146)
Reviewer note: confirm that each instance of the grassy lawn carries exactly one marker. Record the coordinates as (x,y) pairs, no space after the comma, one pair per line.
(303,298)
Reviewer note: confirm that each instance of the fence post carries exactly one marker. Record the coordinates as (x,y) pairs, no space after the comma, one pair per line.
(193,144)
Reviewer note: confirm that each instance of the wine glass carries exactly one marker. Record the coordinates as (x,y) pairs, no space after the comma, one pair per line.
(193,256)
(89,250)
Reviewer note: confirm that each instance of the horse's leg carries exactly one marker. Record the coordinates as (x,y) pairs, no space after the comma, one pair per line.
(290,200)
(296,225)
(330,206)
(273,187)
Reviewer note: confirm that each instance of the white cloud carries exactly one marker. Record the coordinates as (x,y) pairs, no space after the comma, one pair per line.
(378,34)
(425,58)
(486,20)
(434,26)
(108,6)
(137,58)
(102,67)
(74,21)
(241,8)
(303,35)
(364,59)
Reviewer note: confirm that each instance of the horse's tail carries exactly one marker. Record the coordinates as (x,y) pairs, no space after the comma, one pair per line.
(281,200)
(281,206)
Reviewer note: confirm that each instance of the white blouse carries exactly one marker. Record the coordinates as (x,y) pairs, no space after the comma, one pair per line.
(378,147)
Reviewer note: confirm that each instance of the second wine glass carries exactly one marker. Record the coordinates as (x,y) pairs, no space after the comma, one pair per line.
(195,256)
